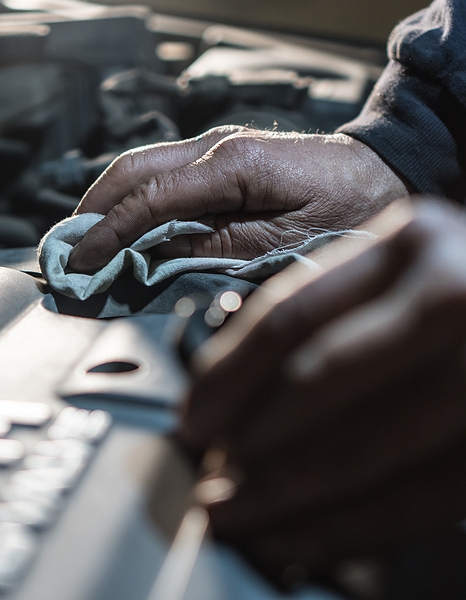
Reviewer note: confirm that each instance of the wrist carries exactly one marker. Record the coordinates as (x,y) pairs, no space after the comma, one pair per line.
(384,183)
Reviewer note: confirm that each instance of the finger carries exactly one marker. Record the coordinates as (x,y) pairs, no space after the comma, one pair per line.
(422,504)
(248,236)
(378,265)
(335,373)
(278,318)
(269,329)
(240,236)
(356,357)
(216,183)
(360,450)
(138,165)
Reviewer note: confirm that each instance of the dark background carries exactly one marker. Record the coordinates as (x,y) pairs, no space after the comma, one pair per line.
(364,20)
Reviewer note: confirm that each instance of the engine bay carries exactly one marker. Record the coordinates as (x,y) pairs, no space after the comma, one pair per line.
(81,83)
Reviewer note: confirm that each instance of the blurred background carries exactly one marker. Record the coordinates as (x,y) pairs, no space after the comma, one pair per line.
(81,82)
(365,20)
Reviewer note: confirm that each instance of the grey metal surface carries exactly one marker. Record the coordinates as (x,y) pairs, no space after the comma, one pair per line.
(103,546)
(103,537)
(132,362)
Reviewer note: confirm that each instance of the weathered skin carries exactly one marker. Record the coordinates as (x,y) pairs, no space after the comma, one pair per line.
(260,190)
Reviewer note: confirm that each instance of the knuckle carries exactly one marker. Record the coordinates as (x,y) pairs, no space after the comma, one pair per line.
(238,159)
(231,147)
(142,197)
(122,166)
(239,145)
(216,135)
(134,215)
(116,219)
(138,196)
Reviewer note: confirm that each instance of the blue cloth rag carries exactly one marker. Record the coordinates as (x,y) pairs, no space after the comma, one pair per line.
(56,246)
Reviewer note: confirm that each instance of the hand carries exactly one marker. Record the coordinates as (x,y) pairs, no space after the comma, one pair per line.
(259,190)
(338,401)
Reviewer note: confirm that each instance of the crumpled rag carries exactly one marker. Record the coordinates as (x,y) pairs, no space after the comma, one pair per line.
(56,246)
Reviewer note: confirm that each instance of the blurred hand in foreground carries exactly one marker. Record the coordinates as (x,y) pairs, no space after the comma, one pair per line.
(259,190)
(338,401)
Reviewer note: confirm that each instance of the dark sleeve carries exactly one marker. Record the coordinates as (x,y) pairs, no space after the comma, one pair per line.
(415,118)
